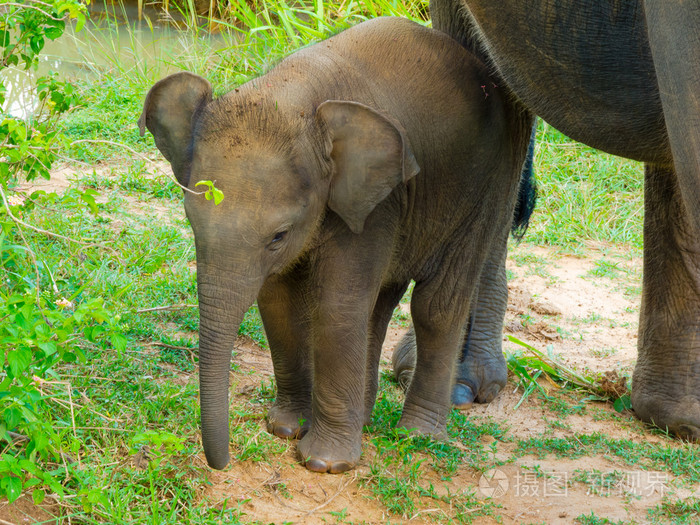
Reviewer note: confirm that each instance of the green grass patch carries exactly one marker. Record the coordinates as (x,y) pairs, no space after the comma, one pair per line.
(584,194)
(677,459)
(686,511)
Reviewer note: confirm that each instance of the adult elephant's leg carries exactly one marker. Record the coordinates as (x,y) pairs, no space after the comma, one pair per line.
(674,39)
(481,370)
(383,310)
(666,381)
(284,315)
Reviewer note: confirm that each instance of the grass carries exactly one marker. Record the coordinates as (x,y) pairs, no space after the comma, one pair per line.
(679,461)
(584,194)
(405,471)
(677,512)
(130,414)
(592,519)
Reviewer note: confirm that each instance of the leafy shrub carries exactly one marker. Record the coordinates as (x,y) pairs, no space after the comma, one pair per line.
(39,328)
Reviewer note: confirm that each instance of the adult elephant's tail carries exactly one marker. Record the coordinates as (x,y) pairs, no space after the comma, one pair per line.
(527,193)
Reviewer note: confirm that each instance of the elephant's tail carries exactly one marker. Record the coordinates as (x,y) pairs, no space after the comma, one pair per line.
(527,192)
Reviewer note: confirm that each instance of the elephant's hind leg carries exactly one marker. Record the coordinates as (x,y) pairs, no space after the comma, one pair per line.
(438,330)
(481,369)
(666,382)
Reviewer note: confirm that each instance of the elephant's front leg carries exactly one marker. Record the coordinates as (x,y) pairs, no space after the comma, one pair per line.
(346,292)
(333,443)
(666,381)
(282,303)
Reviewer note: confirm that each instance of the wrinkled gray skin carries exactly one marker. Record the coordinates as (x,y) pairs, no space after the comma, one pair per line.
(381,155)
(622,76)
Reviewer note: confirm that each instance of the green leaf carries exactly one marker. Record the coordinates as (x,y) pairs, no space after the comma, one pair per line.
(218,196)
(53,33)
(41,442)
(49,348)
(38,496)
(93,332)
(81,21)
(212,192)
(623,403)
(30,467)
(118,342)
(19,360)
(12,487)
(88,197)
(37,44)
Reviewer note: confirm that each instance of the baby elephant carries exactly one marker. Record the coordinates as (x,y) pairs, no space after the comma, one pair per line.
(380,155)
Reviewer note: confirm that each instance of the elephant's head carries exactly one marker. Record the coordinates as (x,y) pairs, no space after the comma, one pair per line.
(280,166)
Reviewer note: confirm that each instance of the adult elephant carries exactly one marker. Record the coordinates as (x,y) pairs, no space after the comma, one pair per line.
(622,76)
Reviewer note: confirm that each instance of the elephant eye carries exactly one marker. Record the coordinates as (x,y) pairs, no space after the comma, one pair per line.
(277,240)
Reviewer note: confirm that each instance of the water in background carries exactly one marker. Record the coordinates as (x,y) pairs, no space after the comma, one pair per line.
(114,39)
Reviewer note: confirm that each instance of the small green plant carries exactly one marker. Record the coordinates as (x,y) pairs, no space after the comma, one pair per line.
(212,192)
(529,364)
(601,483)
(156,446)
(592,519)
(339,515)
(606,351)
(606,268)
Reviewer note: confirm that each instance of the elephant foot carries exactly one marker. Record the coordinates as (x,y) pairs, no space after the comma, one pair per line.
(480,377)
(420,426)
(463,396)
(322,456)
(288,423)
(679,416)
(424,417)
(403,361)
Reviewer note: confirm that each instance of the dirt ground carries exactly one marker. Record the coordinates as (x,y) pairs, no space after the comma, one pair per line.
(582,308)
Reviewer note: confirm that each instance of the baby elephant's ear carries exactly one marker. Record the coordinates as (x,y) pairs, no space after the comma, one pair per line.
(170,112)
(371,156)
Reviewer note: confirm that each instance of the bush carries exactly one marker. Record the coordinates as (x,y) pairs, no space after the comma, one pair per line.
(39,328)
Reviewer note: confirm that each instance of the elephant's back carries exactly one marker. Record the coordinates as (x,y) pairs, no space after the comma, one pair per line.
(585,67)
(438,91)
